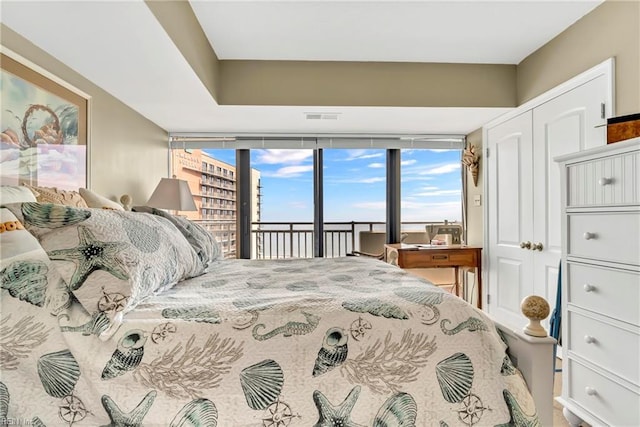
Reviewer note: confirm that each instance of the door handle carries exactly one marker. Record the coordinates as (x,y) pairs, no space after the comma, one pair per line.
(525,245)
(537,246)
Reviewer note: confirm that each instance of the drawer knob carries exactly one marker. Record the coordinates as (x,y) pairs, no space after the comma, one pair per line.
(589,236)
(590,391)
(605,181)
(589,339)
(525,245)
(589,288)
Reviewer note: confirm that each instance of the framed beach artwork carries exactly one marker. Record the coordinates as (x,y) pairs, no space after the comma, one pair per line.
(43,130)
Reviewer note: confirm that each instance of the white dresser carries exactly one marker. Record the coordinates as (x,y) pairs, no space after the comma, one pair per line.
(601,285)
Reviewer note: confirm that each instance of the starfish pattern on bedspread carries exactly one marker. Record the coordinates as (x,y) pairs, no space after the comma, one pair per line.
(91,255)
(333,416)
(132,419)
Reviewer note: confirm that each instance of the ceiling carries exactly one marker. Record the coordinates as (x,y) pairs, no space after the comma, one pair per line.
(121,47)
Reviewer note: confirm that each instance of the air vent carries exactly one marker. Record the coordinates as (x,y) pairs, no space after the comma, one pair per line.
(321,116)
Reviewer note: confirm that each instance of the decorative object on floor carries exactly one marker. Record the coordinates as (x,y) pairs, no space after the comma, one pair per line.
(471,160)
(173,194)
(44,134)
(535,309)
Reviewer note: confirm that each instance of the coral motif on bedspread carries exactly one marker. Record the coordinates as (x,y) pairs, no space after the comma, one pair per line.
(277,343)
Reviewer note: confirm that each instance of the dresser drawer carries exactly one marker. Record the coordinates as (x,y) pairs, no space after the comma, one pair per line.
(614,293)
(612,402)
(604,182)
(605,345)
(605,236)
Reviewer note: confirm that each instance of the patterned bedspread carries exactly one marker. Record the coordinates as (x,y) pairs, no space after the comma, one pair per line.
(306,342)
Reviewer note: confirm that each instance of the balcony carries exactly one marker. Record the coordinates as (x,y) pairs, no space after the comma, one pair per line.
(277,240)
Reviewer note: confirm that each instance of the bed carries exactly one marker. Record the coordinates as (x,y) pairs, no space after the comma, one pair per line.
(132,318)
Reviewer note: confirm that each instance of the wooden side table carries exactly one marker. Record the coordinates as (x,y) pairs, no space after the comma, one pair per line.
(432,256)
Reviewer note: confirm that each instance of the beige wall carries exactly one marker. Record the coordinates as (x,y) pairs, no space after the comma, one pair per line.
(610,30)
(179,21)
(475,217)
(127,153)
(367,84)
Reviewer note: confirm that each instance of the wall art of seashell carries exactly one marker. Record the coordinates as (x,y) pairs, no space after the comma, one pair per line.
(59,373)
(332,353)
(197,413)
(399,410)
(26,280)
(4,401)
(376,307)
(455,376)
(47,215)
(142,236)
(262,383)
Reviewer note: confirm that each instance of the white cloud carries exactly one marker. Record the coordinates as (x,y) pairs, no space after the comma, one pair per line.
(282,156)
(442,169)
(372,180)
(376,165)
(289,171)
(408,162)
(360,154)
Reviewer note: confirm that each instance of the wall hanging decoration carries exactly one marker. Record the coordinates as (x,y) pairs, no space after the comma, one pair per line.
(43,130)
(471,160)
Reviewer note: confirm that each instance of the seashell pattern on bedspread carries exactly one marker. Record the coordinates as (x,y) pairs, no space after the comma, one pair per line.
(283,343)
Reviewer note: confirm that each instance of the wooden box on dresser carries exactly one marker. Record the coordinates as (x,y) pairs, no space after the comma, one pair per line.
(601,285)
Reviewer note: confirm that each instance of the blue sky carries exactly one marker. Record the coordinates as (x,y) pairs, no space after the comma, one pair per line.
(354,184)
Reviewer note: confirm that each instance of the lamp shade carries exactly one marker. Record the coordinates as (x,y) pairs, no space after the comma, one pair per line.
(174,194)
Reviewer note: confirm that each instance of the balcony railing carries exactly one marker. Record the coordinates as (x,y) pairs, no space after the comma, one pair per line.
(273,240)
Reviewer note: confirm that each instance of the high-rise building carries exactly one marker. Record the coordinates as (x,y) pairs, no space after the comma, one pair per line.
(213,185)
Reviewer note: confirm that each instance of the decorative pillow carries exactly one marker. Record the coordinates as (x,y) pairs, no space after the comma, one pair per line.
(95,200)
(59,197)
(111,260)
(202,241)
(25,270)
(16,194)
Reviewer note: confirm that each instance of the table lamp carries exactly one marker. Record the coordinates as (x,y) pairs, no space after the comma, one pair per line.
(172,194)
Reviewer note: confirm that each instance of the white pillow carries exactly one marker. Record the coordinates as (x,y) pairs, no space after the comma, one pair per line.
(17,243)
(95,200)
(16,194)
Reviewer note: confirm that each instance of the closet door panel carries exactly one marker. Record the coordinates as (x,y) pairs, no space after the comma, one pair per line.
(511,217)
(566,124)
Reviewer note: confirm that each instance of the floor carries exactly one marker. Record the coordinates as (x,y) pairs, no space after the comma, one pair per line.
(558,418)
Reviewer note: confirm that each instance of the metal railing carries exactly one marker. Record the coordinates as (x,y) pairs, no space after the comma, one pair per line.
(273,240)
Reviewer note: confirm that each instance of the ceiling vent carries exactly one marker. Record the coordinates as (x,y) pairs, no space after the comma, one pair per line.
(321,116)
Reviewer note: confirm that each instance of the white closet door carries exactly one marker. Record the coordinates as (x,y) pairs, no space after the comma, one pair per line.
(510,217)
(565,124)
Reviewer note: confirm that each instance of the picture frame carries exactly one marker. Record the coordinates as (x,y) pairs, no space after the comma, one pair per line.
(43,129)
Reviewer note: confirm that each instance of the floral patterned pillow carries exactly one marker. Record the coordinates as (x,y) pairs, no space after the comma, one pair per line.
(55,195)
(111,260)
